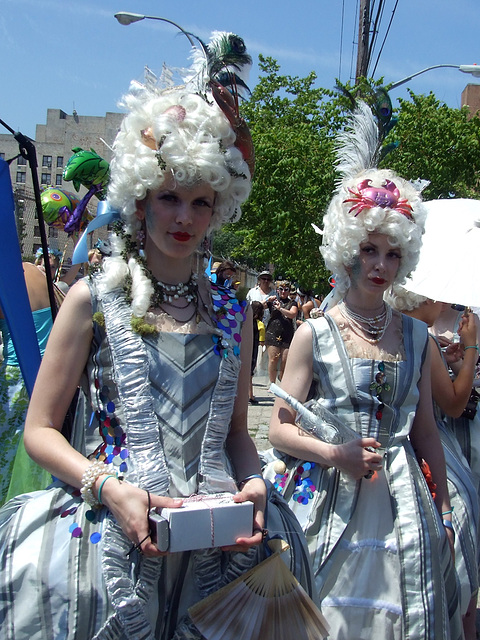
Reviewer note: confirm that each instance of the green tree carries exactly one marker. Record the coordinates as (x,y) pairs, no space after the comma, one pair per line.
(293,126)
(290,124)
(439,144)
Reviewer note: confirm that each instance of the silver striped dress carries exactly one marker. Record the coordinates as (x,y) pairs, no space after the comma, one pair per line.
(162,406)
(381,559)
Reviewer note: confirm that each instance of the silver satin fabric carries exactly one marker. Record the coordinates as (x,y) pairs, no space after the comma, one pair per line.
(56,586)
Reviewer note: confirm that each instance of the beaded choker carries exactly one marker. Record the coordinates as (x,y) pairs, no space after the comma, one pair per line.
(370,329)
(171,292)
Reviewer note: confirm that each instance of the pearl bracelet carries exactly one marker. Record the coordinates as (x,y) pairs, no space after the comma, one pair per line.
(90,475)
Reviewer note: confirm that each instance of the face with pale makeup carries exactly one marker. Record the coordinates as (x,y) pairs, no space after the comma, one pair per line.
(176,218)
(377,265)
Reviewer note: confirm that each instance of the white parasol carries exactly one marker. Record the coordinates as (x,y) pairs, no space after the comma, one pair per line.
(447,270)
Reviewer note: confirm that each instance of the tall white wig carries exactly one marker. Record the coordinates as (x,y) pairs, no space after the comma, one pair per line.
(171,132)
(369,200)
(176,132)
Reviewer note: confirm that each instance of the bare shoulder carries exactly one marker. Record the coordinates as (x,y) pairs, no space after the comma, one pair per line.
(78,294)
(75,313)
(302,341)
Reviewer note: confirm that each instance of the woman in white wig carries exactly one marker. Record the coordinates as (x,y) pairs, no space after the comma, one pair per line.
(379,542)
(167,356)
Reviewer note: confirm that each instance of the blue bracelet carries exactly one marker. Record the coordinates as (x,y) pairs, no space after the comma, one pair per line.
(472,346)
(99,495)
(252,477)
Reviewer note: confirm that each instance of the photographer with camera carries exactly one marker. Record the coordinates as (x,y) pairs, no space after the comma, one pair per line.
(280,329)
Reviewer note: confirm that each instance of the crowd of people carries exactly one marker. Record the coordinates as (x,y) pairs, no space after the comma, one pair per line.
(375,490)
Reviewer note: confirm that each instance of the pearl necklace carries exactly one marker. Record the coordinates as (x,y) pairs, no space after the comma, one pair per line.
(164,292)
(370,329)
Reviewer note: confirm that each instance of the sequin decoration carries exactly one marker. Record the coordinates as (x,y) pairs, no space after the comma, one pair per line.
(113,450)
(378,386)
(304,487)
(280,481)
(229,313)
(75,530)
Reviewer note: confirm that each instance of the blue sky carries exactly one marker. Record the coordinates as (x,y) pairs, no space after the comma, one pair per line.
(62,54)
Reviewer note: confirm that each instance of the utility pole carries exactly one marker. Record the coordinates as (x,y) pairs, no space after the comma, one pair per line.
(363,38)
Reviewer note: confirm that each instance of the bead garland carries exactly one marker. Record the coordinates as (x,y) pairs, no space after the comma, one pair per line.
(304,487)
(370,329)
(89,477)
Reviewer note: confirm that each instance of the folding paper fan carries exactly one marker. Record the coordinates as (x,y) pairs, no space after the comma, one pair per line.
(266,603)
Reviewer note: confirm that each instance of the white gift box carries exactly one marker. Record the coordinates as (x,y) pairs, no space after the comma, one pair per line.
(202,522)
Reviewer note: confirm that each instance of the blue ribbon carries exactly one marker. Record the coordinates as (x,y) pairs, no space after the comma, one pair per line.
(105,215)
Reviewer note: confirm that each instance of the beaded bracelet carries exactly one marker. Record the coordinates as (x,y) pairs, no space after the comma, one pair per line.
(91,473)
(252,477)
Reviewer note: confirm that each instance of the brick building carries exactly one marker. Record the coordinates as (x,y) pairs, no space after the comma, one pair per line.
(471,98)
(54,142)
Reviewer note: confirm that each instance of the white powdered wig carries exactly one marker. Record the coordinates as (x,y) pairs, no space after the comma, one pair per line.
(193,141)
(170,133)
(403,300)
(347,224)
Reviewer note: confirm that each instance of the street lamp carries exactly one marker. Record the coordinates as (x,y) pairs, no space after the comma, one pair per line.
(126,18)
(465,68)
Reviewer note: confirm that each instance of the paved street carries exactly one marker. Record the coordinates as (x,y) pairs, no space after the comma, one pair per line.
(259,414)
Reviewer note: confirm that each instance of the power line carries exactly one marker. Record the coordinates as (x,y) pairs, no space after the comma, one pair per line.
(341,39)
(354,42)
(375,29)
(385,38)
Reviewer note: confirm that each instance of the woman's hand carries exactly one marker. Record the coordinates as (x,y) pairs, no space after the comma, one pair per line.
(255,491)
(453,352)
(357,457)
(467,330)
(129,505)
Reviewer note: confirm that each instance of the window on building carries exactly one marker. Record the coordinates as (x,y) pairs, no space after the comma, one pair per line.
(21,161)
(59,162)
(52,232)
(46,178)
(36,230)
(58,179)
(21,177)
(47,161)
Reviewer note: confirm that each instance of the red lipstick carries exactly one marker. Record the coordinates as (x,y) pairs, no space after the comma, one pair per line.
(378,280)
(181,236)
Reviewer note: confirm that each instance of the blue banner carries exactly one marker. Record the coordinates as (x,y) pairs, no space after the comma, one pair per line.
(13,291)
